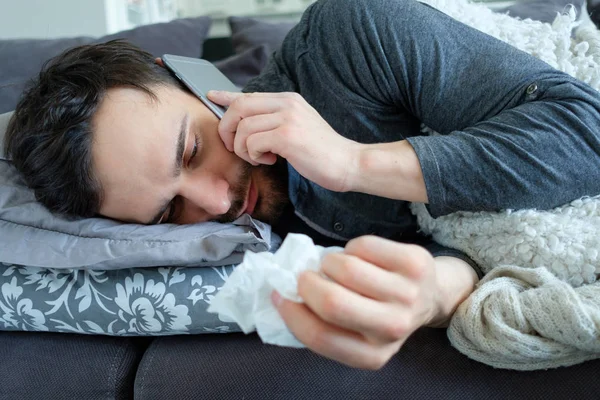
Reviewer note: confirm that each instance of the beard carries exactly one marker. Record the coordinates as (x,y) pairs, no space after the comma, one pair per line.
(271,181)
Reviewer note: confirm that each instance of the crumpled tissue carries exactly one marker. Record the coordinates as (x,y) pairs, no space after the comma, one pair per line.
(245,298)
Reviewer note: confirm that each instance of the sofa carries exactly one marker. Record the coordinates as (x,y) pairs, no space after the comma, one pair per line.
(51,365)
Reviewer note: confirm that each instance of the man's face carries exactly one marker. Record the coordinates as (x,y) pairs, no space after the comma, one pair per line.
(164,162)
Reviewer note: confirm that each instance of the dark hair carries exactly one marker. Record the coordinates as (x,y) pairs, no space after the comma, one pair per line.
(49,136)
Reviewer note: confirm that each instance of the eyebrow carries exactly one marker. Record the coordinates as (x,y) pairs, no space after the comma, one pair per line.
(178,163)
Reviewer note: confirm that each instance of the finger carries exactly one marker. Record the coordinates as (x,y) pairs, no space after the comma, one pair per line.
(251,126)
(259,123)
(369,280)
(343,308)
(406,259)
(330,341)
(211,93)
(223,98)
(267,159)
(262,148)
(159,61)
(244,106)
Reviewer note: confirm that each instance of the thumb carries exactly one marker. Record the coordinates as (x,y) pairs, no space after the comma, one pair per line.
(222,98)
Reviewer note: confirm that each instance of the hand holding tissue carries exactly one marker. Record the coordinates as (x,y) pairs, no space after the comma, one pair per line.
(361,302)
(246,296)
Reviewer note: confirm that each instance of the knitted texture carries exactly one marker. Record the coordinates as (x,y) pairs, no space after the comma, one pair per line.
(538,306)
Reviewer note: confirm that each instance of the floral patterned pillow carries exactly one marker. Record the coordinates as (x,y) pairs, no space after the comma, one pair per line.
(127,302)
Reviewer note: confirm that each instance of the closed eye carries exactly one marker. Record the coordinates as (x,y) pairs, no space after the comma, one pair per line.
(173,209)
(194,149)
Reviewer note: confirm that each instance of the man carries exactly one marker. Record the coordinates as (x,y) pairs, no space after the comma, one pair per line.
(328,143)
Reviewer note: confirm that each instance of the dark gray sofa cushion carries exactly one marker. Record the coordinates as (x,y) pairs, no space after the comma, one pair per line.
(240,68)
(23,58)
(253,42)
(247,33)
(235,366)
(62,366)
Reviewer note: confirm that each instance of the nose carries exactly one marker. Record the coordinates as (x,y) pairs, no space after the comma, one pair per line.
(210,194)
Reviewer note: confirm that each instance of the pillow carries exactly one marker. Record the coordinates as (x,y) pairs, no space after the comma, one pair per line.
(23,58)
(247,33)
(135,301)
(30,235)
(541,10)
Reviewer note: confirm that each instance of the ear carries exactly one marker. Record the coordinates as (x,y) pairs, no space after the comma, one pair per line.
(159,61)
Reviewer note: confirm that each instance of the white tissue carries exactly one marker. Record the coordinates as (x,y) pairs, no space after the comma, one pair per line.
(246,296)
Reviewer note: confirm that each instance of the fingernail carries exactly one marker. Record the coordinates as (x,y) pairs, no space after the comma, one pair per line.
(213,92)
(276,298)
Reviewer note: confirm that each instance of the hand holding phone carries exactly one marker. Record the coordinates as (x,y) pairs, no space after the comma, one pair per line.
(200,76)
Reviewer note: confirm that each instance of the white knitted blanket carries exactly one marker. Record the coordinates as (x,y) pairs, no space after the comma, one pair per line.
(539,304)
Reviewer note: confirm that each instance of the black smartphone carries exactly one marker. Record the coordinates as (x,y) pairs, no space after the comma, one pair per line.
(200,76)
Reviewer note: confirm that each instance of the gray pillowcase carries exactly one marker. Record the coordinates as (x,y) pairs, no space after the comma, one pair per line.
(30,235)
(247,33)
(23,58)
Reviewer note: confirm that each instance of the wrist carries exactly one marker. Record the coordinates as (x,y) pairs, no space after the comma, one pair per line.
(455,281)
(390,170)
(361,166)
(351,167)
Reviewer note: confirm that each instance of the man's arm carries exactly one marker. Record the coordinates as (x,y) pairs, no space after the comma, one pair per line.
(513,129)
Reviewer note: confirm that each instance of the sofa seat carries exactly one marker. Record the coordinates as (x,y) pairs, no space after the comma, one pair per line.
(45,366)
(235,366)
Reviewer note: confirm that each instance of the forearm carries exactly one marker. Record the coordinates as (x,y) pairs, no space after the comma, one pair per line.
(456,280)
(390,170)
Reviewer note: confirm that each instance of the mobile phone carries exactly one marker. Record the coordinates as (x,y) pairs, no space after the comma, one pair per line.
(200,76)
